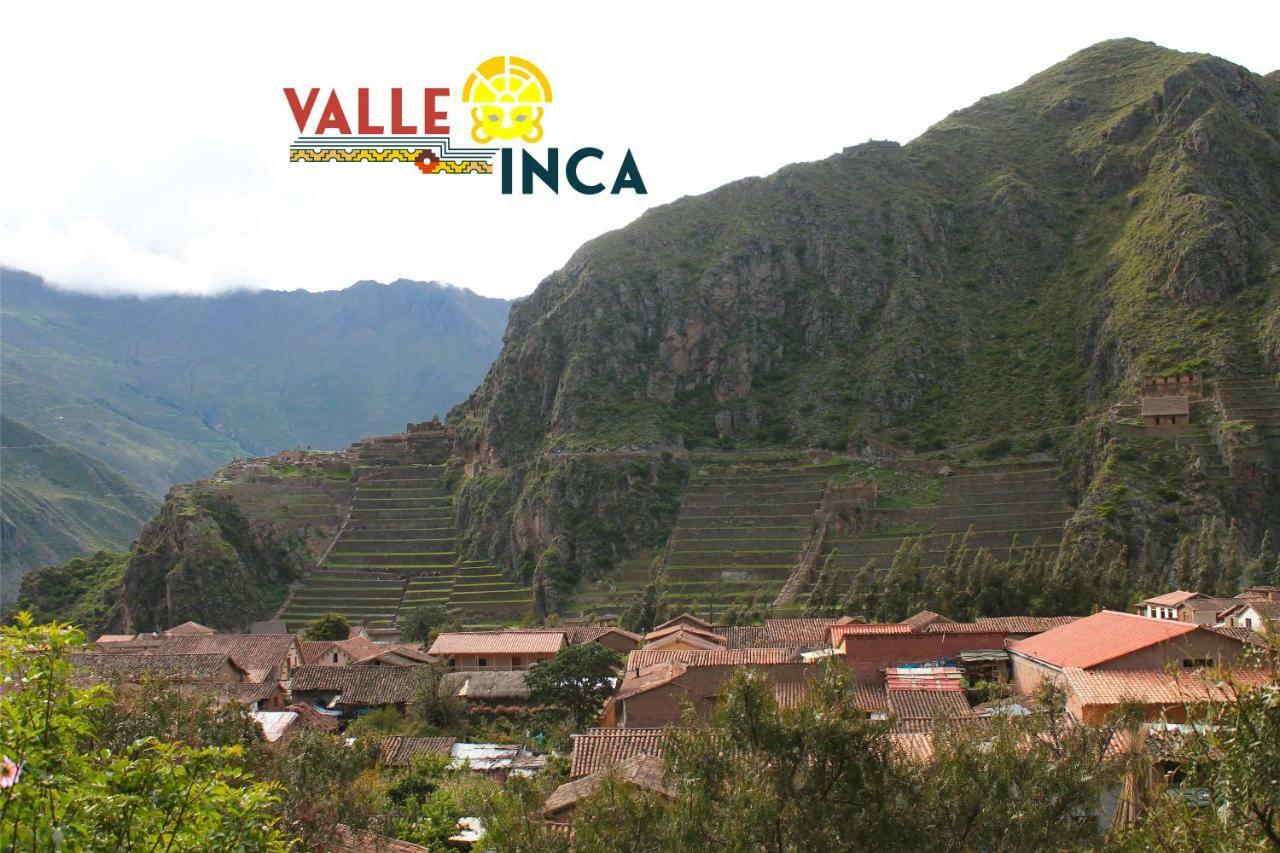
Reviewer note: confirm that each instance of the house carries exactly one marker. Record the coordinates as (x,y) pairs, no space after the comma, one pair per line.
(920,696)
(503,693)
(498,650)
(353,689)
(1021,627)
(1165,411)
(686,637)
(610,636)
(659,683)
(266,657)
(1189,385)
(400,751)
(394,654)
(870,648)
(135,667)
(644,772)
(806,634)
(496,760)
(1109,640)
(1256,614)
(255,695)
(279,726)
(1183,606)
(597,749)
(1267,593)
(1165,695)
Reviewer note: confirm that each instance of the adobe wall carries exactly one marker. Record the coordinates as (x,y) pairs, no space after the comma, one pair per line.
(1197,645)
(699,685)
(869,653)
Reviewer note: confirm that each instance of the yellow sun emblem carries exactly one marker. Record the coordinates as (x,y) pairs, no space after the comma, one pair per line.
(506,94)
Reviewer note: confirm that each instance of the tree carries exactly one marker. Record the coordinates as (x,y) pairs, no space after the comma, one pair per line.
(331,626)
(578,679)
(423,621)
(433,702)
(1230,756)
(1259,571)
(63,792)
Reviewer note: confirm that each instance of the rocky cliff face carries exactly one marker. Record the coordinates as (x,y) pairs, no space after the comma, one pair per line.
(199,559)
(1115,214)
(1015,268)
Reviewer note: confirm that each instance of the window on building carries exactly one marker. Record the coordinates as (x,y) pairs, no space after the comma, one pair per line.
(1248,623)
(1193,663)
(516,661)
(482,662)
(335,657)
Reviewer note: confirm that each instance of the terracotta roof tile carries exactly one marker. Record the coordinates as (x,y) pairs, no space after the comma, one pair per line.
(1099,638)
(650,677)
(687,619)
(190,628)
(789,694)
(1025,624)
(674,630)
(933,678)
(743,636)
(1154,686)
(1171,599)
(133,666)
(257,653)
(314,651)
(400,751)
(359,685)
(313,719)
(244,692)
(643,771)
(928,704)
(596,749)
(923,618)
(871,698)
(797,633)
(1172,404)
(713,657)
(498,642)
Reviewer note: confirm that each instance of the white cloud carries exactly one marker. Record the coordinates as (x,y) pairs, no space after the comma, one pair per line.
(146,145)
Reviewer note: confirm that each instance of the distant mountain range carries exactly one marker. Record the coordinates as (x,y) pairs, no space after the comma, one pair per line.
(124,396)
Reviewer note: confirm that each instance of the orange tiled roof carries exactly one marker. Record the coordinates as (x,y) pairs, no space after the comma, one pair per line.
(400,751)
(871,698)
(596,749)
(1171,599)
(923,618)
(789,694)
(928,704)
(255,652)
(498,642)
(1025,624)
(359,685)
(1099,638)
(742,636)
(1154,686)
(651,677)
(688,619)
(797,633)
(713,657)
(643,771)
(711,636)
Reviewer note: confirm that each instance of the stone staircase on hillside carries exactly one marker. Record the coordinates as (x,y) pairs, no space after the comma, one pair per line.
(1011,506)
(743,525)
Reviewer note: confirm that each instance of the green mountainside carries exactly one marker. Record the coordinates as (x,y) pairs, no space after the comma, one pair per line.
(168,388)
(1014,267)
(901,377)
(146,393)
(56,501)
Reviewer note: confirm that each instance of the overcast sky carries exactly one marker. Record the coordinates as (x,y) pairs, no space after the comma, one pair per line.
(146,145)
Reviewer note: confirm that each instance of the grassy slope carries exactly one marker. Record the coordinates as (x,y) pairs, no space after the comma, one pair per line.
(167,389)
(58,502)
(1009,270)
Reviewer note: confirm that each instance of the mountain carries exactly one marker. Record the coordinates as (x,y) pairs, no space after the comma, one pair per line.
(1012,268)
(908,371)
(165,390)
(56,502)
(1010,274)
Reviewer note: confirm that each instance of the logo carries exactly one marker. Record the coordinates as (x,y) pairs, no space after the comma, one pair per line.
(506,99)
(508,93)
